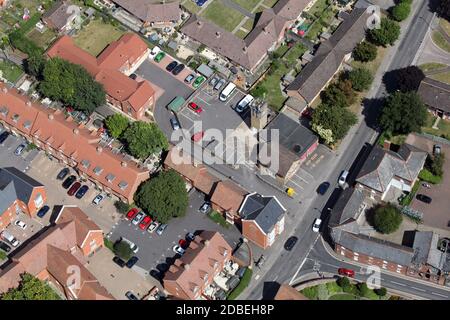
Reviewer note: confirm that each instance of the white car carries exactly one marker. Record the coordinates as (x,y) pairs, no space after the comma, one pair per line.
(136,220)
(20,224)
(152,227)
(98,199)
(343,178)
(316,225)
(154,52)
(10,238)
(178,249)
(132,245)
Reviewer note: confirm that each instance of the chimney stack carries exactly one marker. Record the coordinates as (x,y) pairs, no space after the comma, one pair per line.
(51,116)
(206,242)
(99,149)
(123,164)
(387,145)
(76,131)
(186,266)
(28,103)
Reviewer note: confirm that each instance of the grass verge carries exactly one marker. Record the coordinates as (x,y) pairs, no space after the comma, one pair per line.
(219,219)
(246,278)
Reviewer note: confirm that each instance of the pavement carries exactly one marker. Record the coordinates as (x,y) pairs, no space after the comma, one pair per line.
(430,52)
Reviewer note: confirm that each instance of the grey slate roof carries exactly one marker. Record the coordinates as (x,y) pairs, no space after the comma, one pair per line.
(330,55)
(265,211)
(426,250)
(58,14)
(347,208)
(149,11)
(383,165)
(7,195)
(435,94)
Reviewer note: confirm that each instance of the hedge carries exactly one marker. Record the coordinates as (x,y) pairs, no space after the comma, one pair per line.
(242,284)
(427,176)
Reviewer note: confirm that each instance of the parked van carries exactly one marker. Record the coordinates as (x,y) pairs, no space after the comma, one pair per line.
(10,238)
(343,178)
(226,93)
(243,104)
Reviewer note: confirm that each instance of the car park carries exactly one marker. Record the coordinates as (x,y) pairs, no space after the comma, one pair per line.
(132,245)
(316,225)
(19,223)
(171,66)
(189,78)
(205,208)
(162,227)
(195,107)
(5,247)
(343,178)
(131,296)
(290,243)
(132,213)
(346,272)
(133,260)
(176,71)
(10,238)
(74,188)
(322,189)
(4,136)
(196,137)
(81,192)
(145,222)
(152,227)
(68,182)
(43,211)
(220,84)
(174,123)
(19,149)
(62,174)
(119,261)
(423,198)
(198,81)
(98,198)
(138,218)
(178,249)
(159,56)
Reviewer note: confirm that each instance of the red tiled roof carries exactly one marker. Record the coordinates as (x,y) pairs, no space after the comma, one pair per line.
(228,196)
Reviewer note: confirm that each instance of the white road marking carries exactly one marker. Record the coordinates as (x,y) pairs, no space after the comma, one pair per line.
(439,294)
(420,289)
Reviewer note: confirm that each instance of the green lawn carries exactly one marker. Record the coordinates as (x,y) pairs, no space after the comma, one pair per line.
(10,71)
(219,219)
(222,15)
(247,4)
(443,127)
(318,8)
(445,25)
(191,6)
(440,41)
(432,66)
(248,24)
(96,36)
(443,77)
(343,296)
(43,39)
(241,34)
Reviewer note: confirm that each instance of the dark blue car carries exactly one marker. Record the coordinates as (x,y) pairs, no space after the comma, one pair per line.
(41,213)
(201,2)
(81,192)
(322,189)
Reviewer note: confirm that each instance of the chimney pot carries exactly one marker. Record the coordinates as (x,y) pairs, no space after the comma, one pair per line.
(76,131)
(28,103)
(123,163)
(206,243)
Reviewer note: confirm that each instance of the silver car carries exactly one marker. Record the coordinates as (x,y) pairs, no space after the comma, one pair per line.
(19,149)
(161,229)
(138,218)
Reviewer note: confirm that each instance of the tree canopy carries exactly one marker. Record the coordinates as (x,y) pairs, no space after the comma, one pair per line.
(30,288)
(409,78)
(360,78)
(365,52)
(123,250)
(386,34)
(163,196)
(72,85)
(403,113)
(444,9)
(116,124)
(143,139)
(337,119)
(401,11)
(387,219)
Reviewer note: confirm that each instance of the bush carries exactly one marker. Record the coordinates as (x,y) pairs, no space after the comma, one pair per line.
(387,34)
(109,244)
(427,176)
(363,289)
(245,280)
(387,219)
(116,124)
(361,79)
(435,164)
(343,282)
(123,250)
(3,255)
(311,293)
(401,11)
(122,207)
(381,291)
(365,52)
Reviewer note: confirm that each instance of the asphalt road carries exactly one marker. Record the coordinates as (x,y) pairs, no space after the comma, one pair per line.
(287,265)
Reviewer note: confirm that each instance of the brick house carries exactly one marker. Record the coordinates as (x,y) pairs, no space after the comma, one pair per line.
(63,16)
(54,256)
(226,198)
(436,96)
(262,219)
(73,144)
(19,193)
(112,68)
(204,259)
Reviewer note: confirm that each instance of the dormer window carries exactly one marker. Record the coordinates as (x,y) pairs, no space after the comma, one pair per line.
(15,117)
(98,170)
(123,185)
(110,177)
(27,124)
(85,163)
(4,110)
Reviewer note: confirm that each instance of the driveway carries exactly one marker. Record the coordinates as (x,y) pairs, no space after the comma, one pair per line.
(154,250)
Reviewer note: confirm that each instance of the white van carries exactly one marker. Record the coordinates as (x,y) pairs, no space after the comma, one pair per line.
(10,238)
(343,178)
(226,93)
(243,104)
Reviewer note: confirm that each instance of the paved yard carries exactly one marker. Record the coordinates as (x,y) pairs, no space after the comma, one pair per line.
(33,226)
(154,250)
(9,159)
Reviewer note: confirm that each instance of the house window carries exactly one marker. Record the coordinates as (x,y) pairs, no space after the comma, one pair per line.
(85,163)
(98,170)
(123,185)
(110,177)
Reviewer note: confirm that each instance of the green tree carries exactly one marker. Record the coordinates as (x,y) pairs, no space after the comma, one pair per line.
(343,282)
(144,139)
(35,65)
(403,113)
(435,164)
(123,250)
(122,207)
(30,288)
(365,52)
(401,11)
(386,34)
(334,96)
(164,196)
(338,120)
(116,124)
(361,79)
(409,78)
(387,219)
(381,291)
(444,9)
(259,91)
(325,134)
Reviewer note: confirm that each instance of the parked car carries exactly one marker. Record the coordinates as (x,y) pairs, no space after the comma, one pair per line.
(98,198)
(196,137)
(343,178)
(205,208)
(198,81)
(68,182)
(145,222)
(290,243)
(159,56)
(20,224)
(423,198)
(195,107)
(156,50)
(81,192)
(244,103)
(43,211)
(436,149)
(133,260)
(213,81)
(152,227)
(316,225)
(4,136)
(132,213)
(74,188)
(162,227)
(132,245)
(174,123)
(178,249)
(171,66)
(183,243)
(130,295)
(220,84)
(62,174)
(322,189)
(176,71)
(10,238)
(138,218)
(346,272)
(189,78)
(4,247)
(19,149)
(119,262)
(190,236)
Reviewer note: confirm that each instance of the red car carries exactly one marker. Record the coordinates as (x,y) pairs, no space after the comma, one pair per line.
(196,108)
(196,137)
(183,243)
(132,213)
(145,222)
(74,188)
(346,272)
